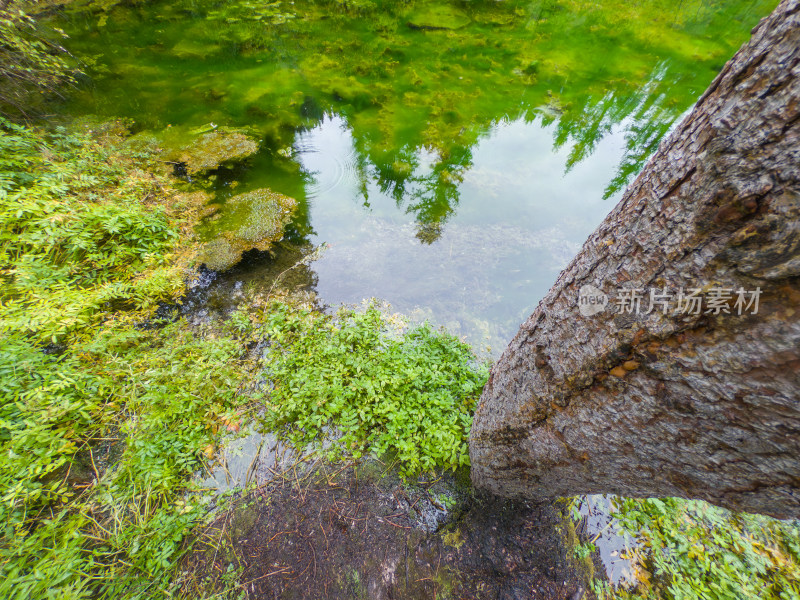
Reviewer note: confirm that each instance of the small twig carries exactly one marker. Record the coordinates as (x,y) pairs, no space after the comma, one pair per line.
(98,524)
(251,469)
(393,524)
(219,541)
(314,553)
(69,469)
(599,533)
(324,533)
(284,569)
(277,534)
(96,474)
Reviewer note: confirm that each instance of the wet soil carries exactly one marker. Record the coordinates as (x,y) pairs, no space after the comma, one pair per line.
(356,532)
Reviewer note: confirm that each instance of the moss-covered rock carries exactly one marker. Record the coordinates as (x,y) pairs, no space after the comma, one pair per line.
(208,151)
(196,151)
(252,220)
(220,254)
(260,215)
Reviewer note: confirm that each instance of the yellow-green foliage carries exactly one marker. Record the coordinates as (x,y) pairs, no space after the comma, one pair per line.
(79,243)
(77,236)
(159,393)
(31,63)
(694,551)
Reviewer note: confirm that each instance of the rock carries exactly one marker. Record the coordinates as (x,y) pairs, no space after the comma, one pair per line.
(254,220)
(261,215)
(219,255)
(208,151)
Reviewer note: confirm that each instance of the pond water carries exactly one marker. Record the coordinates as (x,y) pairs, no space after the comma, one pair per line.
(453,155)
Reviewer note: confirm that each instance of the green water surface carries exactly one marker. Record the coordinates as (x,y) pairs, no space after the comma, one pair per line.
(455,155)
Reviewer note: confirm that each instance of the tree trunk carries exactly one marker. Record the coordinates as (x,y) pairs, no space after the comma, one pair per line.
(670,402)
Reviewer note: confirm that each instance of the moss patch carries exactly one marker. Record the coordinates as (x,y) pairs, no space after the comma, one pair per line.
(208,148)
(254,220)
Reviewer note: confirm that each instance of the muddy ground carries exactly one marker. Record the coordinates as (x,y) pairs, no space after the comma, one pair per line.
(357,532)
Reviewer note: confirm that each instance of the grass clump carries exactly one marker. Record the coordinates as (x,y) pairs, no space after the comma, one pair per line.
(117,531)
(409,395)
(691,550)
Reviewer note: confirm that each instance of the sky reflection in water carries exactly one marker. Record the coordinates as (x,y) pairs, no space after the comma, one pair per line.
(520,219)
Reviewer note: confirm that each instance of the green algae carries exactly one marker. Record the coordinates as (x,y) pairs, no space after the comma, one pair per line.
(259,216)
(189,48)
(438,17)
(198,150)
(253,220)
(219,254)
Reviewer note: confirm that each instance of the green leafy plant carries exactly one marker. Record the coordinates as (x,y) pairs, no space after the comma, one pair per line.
(117,530)
(584,550)
(31,60)
(75,237)
(411,395)
(692,550)
(85,256)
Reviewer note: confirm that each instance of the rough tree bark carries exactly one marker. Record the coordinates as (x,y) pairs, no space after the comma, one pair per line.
(669,403)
